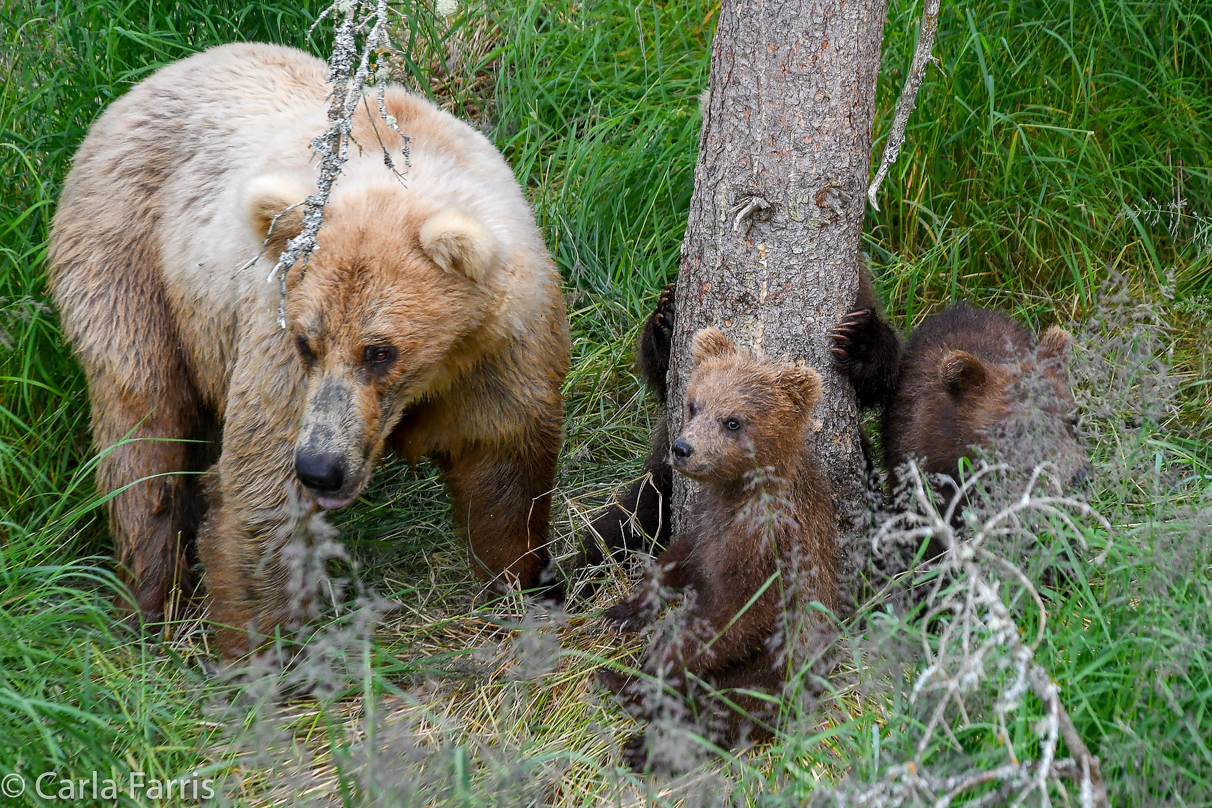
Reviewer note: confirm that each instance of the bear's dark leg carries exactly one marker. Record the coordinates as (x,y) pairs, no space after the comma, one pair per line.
(640,518)
(500,499)
(731,707)
(144,406)
(866,349)
(656,344)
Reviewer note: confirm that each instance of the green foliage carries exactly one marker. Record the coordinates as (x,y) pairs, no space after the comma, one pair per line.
(1048,132)
(1057,140)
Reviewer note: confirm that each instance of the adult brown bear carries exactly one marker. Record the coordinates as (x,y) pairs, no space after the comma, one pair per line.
(430,318)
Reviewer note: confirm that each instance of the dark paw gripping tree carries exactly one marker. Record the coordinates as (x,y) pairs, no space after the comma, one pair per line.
(772,248)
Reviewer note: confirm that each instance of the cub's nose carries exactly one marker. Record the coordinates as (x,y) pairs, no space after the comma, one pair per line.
(320,472)
(682,449)
(1081,479)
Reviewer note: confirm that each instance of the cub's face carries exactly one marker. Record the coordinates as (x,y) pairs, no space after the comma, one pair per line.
(1021,414)
(384,316)
(740,413)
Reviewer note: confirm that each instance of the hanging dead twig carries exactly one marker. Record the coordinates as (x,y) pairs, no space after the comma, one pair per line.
(922,56)
(348,69)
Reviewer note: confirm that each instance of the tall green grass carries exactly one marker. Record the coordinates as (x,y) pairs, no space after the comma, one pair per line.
(1055,142)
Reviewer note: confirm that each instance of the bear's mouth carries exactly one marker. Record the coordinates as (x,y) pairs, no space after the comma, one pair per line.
(334,503)
(687,467)
(336,500)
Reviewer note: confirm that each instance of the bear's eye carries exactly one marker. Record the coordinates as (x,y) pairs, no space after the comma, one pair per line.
(378,357)
(691,409)
(732,424)
(1071,420)
(305,351)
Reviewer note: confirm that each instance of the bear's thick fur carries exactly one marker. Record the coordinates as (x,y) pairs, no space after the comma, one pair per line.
(763,527)
(430,319)
(968,378)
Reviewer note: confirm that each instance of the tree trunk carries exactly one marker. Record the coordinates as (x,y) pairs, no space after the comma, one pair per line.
(772,248)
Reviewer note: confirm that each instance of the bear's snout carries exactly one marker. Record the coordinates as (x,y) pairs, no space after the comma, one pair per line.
(323,472)
(682,449)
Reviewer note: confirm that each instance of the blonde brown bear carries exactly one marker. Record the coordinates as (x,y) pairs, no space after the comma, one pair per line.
(430,319)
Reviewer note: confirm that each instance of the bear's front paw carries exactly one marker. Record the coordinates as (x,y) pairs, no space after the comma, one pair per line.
(662,317)
(851,338)
(612,680)
(629,616)
(635,752)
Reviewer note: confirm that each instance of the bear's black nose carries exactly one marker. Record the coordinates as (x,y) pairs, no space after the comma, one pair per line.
(320,472)
(1080,479)
(682,449)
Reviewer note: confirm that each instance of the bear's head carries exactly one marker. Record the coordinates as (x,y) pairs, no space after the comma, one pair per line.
(1021,412)
(741,413)
(395,304)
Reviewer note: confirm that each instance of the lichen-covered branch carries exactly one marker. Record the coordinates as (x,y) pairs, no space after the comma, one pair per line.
(904,107)
(348,69)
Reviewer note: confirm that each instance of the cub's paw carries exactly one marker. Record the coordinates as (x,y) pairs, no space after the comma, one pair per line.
(612,680)
(635,752)
(851,339)
(628,616)
(662,316)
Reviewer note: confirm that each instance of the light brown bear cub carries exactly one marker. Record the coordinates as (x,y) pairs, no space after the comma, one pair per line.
(763,528)
(430,319)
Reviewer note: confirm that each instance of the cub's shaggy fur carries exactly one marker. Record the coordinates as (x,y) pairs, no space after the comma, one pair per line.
(763,528)
(968,378)
(430,319)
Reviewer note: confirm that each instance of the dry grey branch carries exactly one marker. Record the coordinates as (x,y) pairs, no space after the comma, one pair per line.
(348,69)
(922,56)
(969,640)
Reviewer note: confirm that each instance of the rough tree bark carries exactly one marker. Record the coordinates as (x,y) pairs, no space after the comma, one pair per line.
(772,248)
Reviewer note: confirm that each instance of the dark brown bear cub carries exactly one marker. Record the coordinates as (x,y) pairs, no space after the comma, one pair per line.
(762,529)
(968,379)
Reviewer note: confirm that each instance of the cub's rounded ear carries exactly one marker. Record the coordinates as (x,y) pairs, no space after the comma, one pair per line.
(273,206)
(459,242)
(803,384)
(709,342)
(1053,347)
(962,371)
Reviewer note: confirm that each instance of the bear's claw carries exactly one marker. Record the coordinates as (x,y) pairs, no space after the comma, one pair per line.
(627,617)
(849,336)
(663,315)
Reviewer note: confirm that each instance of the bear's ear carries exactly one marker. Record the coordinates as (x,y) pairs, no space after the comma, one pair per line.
(459,242)
(803,384)
(1053,349)
(962,371)
(273,205)
(709,342)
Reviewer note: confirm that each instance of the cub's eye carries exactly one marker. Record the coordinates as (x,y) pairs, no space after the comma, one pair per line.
(305,351)
(378,357)
(1071,420)
(691,409)
(733,424)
